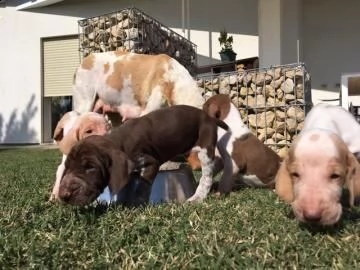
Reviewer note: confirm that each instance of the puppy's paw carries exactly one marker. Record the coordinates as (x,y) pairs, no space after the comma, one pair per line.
(195,199)
(52,198)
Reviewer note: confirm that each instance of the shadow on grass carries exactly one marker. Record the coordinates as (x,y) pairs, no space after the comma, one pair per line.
(348,216)
(99,209)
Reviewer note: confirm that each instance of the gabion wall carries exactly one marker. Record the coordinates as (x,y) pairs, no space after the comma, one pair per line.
(135,31)
(272,101)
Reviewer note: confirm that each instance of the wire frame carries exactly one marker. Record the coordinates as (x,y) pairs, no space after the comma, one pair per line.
(133,30)
(272,101)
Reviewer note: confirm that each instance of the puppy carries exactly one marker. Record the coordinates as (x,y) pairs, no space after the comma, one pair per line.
(241,151)
(71,128)
(100,161)
(318,164)
(337,120)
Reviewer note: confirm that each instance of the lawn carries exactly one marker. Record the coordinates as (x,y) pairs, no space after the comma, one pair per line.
(250,229)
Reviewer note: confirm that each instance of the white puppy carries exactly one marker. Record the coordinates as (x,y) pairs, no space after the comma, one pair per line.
(319,163)
(71,128)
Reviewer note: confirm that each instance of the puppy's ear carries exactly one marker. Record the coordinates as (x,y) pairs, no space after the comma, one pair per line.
(213,110)
(120,169)
(59,130)
(283,183)
(353,177)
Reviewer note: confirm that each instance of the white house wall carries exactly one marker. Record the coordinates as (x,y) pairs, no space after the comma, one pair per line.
(20,76)
(238,17)
(331,44)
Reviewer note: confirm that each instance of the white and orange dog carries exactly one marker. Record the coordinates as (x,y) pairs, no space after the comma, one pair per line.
(319,163)
(132,84)
(71,128)
(240,153)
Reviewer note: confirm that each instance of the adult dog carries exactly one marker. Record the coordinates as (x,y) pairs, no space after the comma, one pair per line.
(132,84)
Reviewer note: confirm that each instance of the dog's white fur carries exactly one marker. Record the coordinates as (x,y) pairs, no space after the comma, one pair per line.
(71,128)
(319,162)
(205,182)
(133,84)
(337,120)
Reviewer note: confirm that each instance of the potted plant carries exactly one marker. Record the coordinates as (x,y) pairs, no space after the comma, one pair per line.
(226,53)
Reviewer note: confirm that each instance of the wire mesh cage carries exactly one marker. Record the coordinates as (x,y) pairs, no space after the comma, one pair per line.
(272,101)
(133,30)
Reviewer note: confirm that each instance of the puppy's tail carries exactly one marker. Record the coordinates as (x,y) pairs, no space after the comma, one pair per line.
(222,124)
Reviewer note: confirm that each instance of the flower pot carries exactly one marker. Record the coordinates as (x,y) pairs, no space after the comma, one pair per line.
(227,56)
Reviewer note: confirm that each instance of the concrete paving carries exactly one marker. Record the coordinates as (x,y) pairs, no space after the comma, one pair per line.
(29,146)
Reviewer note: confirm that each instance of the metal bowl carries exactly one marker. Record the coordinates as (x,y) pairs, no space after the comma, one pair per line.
(173,185)
(170,185)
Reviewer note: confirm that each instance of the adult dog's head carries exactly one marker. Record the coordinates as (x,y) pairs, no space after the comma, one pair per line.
(92,164)
(313,174)
(73,127)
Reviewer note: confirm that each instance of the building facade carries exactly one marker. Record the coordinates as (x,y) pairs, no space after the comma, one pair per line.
(39,48)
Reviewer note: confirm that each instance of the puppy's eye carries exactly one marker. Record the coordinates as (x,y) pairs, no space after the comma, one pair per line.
(334,176)
(89,131)
(89,170)
(294,175)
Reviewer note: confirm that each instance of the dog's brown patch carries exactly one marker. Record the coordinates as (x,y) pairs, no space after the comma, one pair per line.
(194,161)
(88,62)
(255,158)
(218,106)
(314,137)
(106,67)
(121,51)
(169,93)
(145,72)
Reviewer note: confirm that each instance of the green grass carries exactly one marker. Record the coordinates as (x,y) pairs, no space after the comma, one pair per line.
(249,229)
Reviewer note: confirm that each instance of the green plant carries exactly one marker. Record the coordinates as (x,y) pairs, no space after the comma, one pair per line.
(225,41)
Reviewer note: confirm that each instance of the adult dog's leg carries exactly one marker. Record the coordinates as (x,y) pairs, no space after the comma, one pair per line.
(155,101)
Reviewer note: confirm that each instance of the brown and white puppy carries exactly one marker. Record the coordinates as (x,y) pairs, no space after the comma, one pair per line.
(132,84)
(313,174)
(241,151)
(100,161)
(71,128)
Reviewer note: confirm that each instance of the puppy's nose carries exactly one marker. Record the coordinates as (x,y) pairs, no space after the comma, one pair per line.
(65,196)
(312,216)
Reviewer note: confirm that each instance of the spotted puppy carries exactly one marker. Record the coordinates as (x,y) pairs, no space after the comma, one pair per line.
(100,161)
(242,153)
(71,128)
(319,163)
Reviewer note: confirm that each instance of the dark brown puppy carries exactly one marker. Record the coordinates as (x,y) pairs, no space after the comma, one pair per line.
(100,161)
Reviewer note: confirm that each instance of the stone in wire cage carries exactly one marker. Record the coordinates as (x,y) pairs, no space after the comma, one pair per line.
(132,30)
(272,101)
